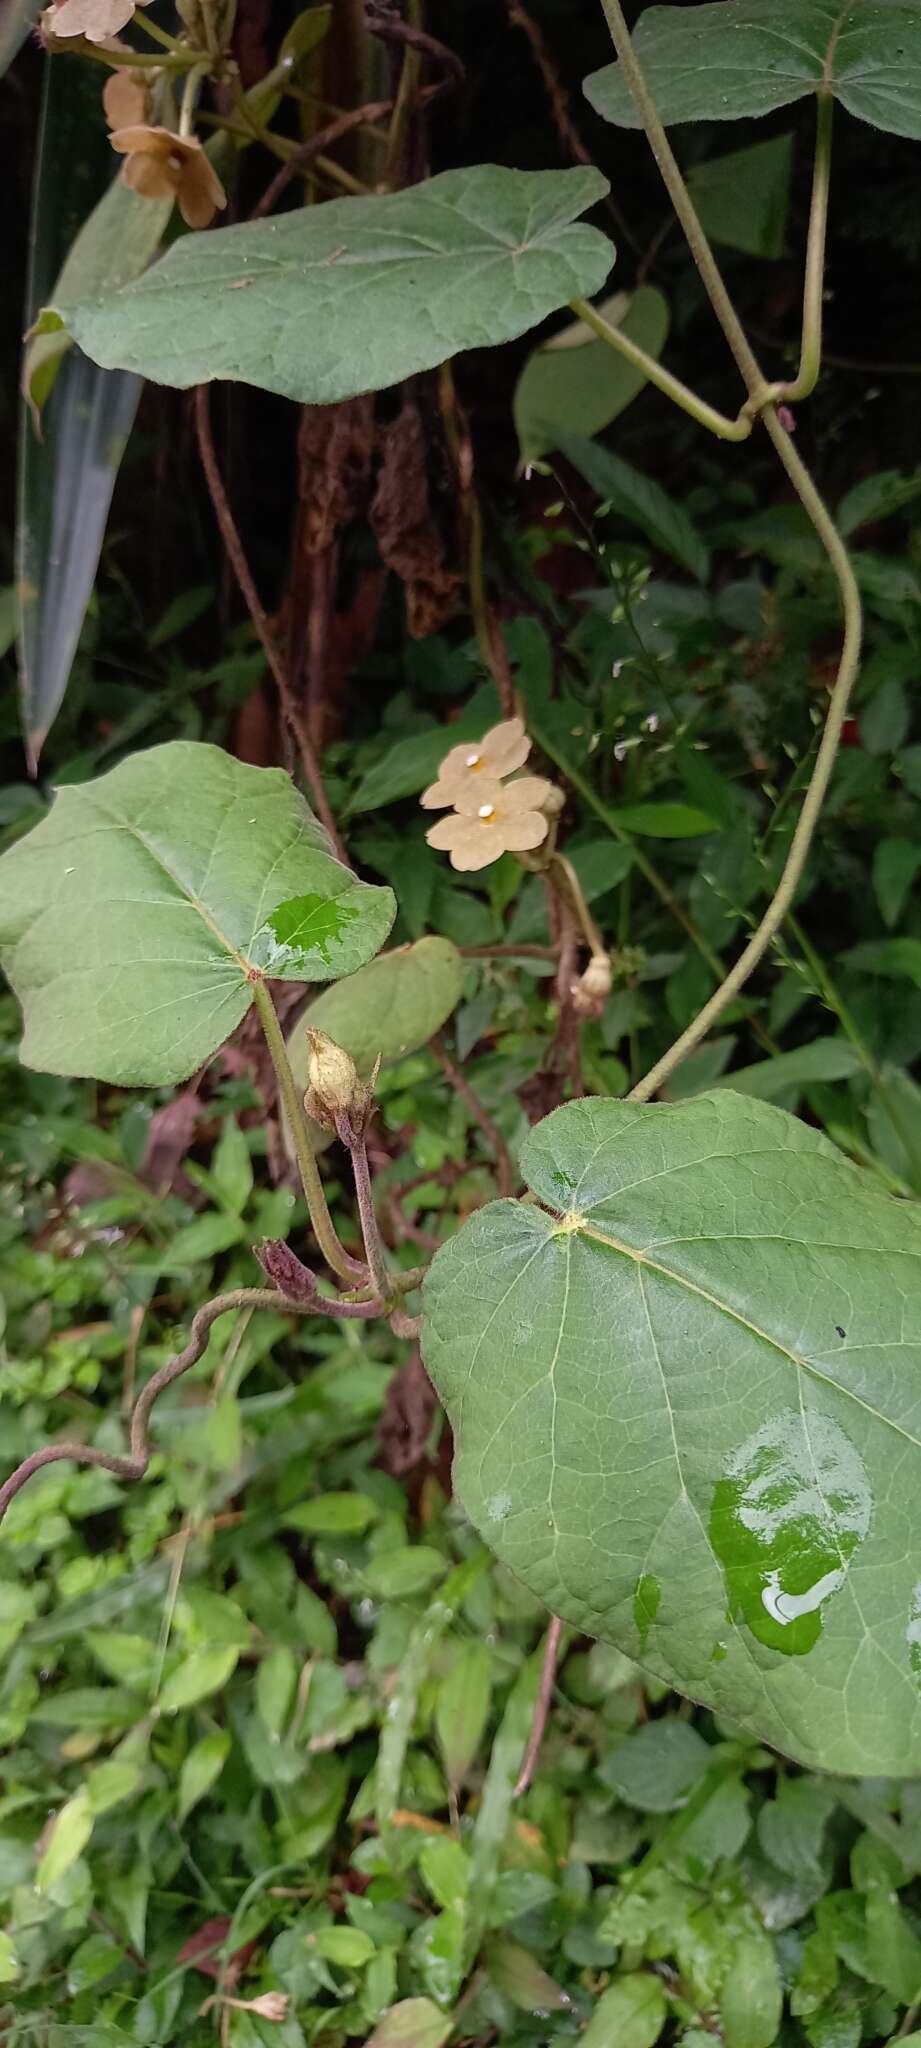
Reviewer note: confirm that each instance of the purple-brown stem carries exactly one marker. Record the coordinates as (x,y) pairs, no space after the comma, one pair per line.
(541,1705)
(135,1464)
(505,1176)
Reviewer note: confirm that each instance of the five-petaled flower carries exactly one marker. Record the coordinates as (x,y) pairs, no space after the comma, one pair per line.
(97,20)
(504,748)
(160,164)
(490,819)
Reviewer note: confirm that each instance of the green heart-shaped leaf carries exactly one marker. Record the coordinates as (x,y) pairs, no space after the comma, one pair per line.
(746,57)
(685,1386)
(135,916)
(357,294)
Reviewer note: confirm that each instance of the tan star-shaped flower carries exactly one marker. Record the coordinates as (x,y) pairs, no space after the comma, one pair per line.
(159,163)
(492,819)
(94,19)
(504,748)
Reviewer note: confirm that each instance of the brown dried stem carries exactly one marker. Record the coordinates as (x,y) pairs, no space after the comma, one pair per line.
(541,1705)
(505,1177)
(241,569)
(134,1465)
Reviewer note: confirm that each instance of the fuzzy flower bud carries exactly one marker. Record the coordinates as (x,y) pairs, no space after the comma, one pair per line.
(592,990)
(334,1087)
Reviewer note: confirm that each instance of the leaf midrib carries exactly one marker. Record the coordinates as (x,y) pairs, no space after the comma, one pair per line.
(642,1259)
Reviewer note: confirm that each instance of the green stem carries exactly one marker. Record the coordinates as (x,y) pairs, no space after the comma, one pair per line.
(154,31)
(337,1258)
(827,990)
(810,361)
(189,99)
(761,397)
(706,415)
(683,204)
(791,876)
(134,60)
(589,929)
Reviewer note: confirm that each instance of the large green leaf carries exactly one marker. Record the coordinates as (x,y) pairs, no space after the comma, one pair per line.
(331,300)
(576,384)
(746,57)
(744,198)
(132,918)
(686,1395)
(388,1009)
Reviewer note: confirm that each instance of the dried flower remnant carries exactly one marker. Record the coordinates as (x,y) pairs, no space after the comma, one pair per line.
(97,20)
(124,100)
(503,749)
(593,987)
(493,819)
(159,164)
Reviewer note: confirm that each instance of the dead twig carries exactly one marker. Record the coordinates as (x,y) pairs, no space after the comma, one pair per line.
(559,107)
(134,1465)
(541,1705)
(237,557)
(505,1177)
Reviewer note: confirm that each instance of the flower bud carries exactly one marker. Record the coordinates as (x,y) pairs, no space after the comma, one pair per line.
(286,1271)
(592,991)
(334,1087)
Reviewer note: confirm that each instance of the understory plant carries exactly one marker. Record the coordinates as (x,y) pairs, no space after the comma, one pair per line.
(681,1354)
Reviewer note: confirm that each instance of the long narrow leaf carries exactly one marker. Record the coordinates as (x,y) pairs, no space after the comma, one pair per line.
(65,479)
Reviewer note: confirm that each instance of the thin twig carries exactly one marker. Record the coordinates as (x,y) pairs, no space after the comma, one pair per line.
(384,22)
(559,107)
(236,554)
(134,1465)
(505,1177)
(317,145)
(507,953)
(541,1705)
(493,652)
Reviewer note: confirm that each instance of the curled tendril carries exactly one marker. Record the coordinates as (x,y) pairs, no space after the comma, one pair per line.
(135,1463)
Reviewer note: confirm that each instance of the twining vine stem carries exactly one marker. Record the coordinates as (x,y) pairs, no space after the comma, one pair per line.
(761,399)
(810,360)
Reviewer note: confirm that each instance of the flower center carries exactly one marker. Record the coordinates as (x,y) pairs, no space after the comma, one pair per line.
(486,812)
(474,760)
(174,161)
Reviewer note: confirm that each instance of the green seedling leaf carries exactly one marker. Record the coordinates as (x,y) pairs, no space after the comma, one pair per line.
(895,865)
(468,258)
(658,1765)
(134,917)
(414,2023)
(664,821)
(70,1833)
(743,199)
(199,1675)
(346,1946)
(201,1769)
(518,1975)
(576,384)
(462,1709)
(740,58)
(333,1514)
(631,2012)
(876,497)
(738,1310)
(752,1995)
